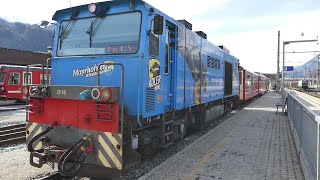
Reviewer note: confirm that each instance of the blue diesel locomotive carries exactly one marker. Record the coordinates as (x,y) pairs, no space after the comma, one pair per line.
(126,80)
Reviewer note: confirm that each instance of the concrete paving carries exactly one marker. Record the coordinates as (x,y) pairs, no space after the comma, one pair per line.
(255,143)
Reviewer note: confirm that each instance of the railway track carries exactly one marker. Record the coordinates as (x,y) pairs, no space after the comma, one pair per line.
(11,107)
(13,134)
(12,104)
(311,92)
(54,176)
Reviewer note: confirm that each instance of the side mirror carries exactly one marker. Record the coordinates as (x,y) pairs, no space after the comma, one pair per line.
(44,24)
(158,25)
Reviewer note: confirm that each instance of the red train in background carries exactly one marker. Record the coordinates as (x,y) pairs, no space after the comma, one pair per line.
(12,79)
(252,84)
(263,83)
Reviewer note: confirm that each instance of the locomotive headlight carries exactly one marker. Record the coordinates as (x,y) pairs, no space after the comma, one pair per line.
(95,93)
(24,90)
(2,88)
(105,94)
(92,8)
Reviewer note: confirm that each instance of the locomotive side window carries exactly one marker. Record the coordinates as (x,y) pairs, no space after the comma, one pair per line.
(153,42)
(14,79)
(25,78)
(166,70)
(2,78)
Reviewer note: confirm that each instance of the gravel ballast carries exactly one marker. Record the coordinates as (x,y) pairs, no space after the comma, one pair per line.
(14,164)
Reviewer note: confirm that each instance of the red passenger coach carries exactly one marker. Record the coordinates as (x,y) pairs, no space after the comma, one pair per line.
(248,84)
(12,78)
(263,84)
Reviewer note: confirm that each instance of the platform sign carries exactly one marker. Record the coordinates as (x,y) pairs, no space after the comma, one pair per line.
(288,68)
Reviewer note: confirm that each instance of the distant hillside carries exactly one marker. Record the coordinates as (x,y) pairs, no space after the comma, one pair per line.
(299,71)
(24,36)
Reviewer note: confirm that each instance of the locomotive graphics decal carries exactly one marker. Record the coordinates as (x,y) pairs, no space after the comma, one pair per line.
(154,74)
(198,71)
(93,70)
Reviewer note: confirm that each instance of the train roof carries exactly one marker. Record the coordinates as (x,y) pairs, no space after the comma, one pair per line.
(3,66)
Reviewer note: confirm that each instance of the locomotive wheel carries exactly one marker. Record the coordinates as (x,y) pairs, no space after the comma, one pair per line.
(147,151)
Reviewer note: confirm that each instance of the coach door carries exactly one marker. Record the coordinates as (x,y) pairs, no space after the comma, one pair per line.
(170,59)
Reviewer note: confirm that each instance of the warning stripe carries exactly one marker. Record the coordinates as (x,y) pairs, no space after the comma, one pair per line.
(33,129)
(103,159)
(114,142)
(29,129)
(110,150)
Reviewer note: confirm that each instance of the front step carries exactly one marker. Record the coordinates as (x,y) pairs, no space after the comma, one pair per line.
(166,132)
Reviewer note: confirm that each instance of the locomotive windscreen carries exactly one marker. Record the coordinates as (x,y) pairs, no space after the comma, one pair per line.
(227,79)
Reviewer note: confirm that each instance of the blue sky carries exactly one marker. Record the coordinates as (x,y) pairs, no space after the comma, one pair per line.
(248,27)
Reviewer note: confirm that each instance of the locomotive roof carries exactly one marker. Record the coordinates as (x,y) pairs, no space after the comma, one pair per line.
(113,2)
(85,6)
(20,57)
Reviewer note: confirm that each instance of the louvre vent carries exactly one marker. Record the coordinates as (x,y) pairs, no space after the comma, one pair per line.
(224,48)
(167,108)
(150,100)
(186,24)
(202,34)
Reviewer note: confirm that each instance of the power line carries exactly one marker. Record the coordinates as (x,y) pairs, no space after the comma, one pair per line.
(297,52)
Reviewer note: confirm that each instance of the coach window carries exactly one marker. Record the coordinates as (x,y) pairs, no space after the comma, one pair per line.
(153,42)
(14,79)
(25,78)
(248,80)
(2,78)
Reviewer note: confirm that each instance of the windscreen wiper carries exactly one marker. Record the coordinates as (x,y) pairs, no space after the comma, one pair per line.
(93,29)
(65,28)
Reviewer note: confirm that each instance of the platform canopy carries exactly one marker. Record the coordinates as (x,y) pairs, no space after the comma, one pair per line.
(19,57)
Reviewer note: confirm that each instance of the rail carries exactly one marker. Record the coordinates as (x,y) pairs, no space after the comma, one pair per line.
(13,134)
(304,120)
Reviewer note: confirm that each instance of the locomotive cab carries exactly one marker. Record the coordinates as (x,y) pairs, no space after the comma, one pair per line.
(79,124)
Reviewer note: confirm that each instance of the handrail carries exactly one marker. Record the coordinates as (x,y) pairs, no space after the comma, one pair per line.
(27,84)
(47,67)
(122,86)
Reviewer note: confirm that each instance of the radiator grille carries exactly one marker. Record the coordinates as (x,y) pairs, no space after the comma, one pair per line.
(150,100)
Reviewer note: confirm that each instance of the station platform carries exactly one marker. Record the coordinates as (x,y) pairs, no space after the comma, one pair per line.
(255,143)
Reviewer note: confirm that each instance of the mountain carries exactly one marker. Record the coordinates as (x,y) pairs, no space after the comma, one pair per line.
(310,66)
(16,35)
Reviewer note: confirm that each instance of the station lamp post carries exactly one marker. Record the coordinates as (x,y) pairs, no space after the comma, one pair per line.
(282,75)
